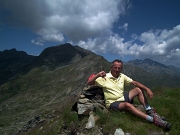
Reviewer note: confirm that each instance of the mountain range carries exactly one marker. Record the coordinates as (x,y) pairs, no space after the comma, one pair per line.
(13,63)
(32,85)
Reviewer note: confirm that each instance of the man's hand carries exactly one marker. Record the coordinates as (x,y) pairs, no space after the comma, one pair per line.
(102,74)
(149,94)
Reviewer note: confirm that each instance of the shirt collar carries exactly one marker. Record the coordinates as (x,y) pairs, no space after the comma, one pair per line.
(110,75)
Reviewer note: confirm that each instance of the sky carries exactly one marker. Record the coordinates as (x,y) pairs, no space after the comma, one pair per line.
(114,29)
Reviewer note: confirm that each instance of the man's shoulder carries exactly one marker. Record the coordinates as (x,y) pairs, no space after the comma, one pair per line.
(125,77)
(122,75)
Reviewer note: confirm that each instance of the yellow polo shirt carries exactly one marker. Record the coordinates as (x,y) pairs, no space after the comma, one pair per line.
(113,87)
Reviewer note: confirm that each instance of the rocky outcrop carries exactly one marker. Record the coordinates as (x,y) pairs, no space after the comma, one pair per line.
(30,124)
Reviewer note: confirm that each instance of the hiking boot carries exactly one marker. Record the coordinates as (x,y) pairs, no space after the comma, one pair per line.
(153,113)
(161,123)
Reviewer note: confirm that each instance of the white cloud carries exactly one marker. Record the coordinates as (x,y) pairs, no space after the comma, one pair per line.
(36,42)
(160,42)
(159,45)
(56,20)
(124,27)
(113,44)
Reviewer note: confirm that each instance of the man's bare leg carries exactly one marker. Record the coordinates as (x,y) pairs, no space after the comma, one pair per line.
(130,108)
(141,96)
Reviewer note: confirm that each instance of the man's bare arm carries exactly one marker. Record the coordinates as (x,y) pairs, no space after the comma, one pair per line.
(138,84)
(92,80)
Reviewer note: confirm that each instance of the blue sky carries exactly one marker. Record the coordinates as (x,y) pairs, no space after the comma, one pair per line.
(123,29)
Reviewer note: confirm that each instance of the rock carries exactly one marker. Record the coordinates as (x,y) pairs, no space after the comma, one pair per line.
(91,121)
(119,131)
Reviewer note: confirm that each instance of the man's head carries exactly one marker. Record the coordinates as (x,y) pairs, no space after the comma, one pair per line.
(116,67)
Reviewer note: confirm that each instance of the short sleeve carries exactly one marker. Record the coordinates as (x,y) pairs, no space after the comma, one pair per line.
(100,82)
(127,80)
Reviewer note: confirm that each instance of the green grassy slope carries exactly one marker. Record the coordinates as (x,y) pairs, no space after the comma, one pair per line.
(166,102)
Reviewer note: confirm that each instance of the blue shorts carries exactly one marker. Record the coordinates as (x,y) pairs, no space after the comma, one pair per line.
(115,105)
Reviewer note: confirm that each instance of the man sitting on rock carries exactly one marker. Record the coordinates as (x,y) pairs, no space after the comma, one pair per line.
(117,99)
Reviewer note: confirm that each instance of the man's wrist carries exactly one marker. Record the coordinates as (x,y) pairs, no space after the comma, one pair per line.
(97,75)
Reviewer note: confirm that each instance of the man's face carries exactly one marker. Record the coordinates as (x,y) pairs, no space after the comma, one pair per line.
(116,69)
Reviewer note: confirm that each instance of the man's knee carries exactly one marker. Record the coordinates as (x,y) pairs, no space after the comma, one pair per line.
(135,92)
(138,89)
(128,106)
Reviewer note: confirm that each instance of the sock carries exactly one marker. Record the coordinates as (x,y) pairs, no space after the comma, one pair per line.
(149,118)
(147,107)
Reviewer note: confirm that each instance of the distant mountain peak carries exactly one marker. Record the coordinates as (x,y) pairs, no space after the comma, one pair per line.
(13,62)
(155,67)
(61,55)
(12,53)
(147,62)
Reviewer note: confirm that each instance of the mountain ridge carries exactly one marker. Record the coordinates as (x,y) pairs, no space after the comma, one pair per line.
(13,62)
(62,55)
(155,67)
